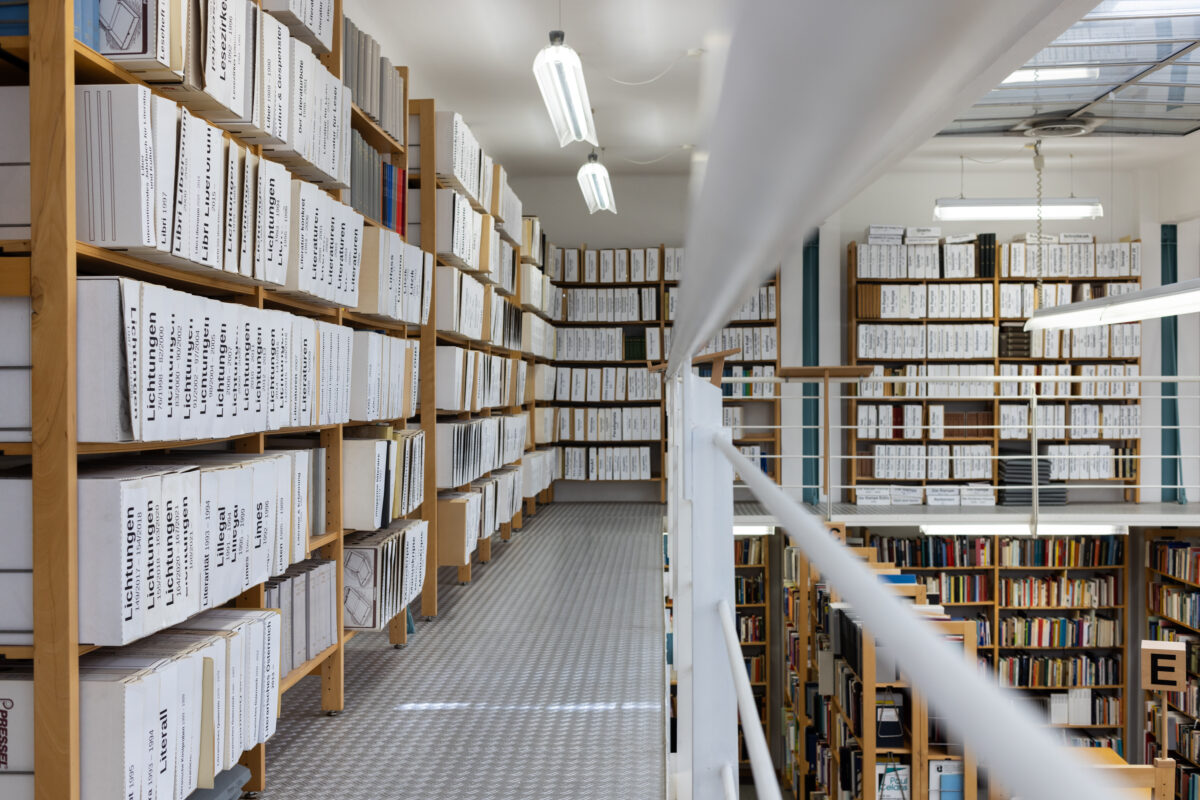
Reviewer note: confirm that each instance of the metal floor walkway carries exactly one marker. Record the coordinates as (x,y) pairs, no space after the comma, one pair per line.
(541,680)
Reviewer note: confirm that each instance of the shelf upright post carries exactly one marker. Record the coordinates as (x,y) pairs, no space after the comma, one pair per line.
(424,109)
(54,448)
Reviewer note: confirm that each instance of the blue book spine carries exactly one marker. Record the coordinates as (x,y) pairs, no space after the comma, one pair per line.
(17,13)
(14,28)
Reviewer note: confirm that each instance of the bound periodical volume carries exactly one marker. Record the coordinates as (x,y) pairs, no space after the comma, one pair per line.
(538,337)
(501,499)
(382,476)
(606,463)
(904,342)
(166,186)
(506,206)
(612,305)
(472,381)
(460,517)
(467,450)
(163,538)
(384,377)
(163,717)
(384,572)
(606,384)
(590,344)
(395,279)
(753,343)
(377,88)
(307,597)
(459,230)
(377,188)
(531,236)
(460,301)
(539,469)
(1054,259)
(672,263)
(637,424)
(460,159)
(921,301)
(156,364)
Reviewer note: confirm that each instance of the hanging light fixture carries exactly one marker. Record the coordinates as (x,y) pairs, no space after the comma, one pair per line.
(999,209)
(596,185)
(1004,209)
(559,75)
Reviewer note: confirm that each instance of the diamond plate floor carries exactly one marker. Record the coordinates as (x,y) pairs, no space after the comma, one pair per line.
(541,680)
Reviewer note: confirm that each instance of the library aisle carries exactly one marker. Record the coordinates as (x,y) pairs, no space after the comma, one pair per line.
(544,679)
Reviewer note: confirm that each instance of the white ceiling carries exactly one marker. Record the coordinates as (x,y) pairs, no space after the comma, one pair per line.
(475,57)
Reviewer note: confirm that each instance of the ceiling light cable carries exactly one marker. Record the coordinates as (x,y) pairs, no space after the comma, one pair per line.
(663,157)
(685,54)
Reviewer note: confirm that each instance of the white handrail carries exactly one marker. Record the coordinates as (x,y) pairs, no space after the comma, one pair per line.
(1007,738)
(761,765)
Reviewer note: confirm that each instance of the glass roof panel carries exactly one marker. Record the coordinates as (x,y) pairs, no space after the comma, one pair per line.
(1047,94)
(1161,110)
(1143,8)
(1174,72)
(1070,76)
(1189,58)
(1020,111)
(1134,127)
(1148,29)
(1105,54)
(991,126)
(1160,94)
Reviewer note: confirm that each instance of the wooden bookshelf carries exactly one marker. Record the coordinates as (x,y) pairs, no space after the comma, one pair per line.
(45,268)
(861,298)
(831,725)
(989,567)
(1166,577)
(424,111)
(753,579)
(658,447)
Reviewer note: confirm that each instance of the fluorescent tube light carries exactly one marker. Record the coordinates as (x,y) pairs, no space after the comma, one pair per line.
(1022,529)
(1051,74)
(1160,301)
(559,75)
(753,530)
(596,186)
(1000,209)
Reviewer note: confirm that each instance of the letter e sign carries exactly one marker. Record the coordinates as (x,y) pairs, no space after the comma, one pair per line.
(1163,666)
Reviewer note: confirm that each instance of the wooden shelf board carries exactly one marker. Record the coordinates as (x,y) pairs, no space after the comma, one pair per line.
(133,447)
(1066,647)
(317,542)
(373,133)
(25,652)
(293,677)
(1006,568)
(1060,608)
(1171,577)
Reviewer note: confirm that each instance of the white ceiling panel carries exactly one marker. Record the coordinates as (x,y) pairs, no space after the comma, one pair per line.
(475,57)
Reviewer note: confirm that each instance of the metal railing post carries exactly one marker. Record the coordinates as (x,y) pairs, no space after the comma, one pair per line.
(706,728)
(1033,458)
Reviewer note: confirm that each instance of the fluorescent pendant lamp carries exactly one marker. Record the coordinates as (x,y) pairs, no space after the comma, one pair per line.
(1160,301)
(559,75)
(596,186)
(1000,209)
(1022,529)
(753,530)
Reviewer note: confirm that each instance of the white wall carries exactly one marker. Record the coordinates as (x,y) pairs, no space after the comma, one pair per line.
(651,210)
